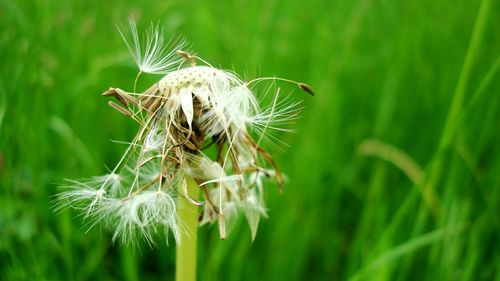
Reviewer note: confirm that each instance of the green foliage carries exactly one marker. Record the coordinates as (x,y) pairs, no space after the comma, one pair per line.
(419,77)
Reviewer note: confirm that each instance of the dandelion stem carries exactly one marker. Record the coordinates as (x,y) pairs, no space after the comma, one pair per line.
(188,220)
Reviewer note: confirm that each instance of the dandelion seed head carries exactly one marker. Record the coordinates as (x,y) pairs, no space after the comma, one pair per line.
(193,107)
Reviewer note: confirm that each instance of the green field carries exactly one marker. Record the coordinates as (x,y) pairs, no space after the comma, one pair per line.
(393,173)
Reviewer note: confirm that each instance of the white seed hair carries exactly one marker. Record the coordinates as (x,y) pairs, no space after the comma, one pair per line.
(154,56)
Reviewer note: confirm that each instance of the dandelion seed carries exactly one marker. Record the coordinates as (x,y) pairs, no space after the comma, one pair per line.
(191,108)
(154,56)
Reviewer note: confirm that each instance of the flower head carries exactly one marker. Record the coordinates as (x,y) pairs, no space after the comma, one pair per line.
(191,109)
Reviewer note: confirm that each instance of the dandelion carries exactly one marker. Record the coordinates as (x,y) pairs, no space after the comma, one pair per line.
(165,174)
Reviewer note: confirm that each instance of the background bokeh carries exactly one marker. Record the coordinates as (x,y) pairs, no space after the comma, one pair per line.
(394,173)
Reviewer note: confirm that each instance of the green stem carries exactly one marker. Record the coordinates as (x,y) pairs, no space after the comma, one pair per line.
(187,213)
(457,104)
(463,81)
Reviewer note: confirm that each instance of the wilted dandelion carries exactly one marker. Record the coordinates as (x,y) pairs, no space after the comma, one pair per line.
(191,108)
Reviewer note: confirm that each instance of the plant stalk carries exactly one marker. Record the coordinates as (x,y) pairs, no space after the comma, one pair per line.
(453,119)
(185,264)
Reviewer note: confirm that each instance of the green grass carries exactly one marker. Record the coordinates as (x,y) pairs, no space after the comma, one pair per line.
(419,77)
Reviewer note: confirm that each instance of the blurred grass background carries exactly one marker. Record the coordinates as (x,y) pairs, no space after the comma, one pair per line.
(394,172)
